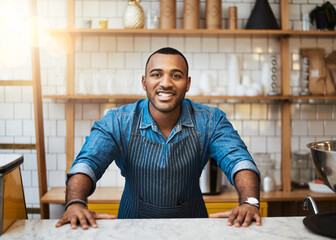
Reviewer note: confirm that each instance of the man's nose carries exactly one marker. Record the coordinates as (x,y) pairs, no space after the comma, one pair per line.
(166,81)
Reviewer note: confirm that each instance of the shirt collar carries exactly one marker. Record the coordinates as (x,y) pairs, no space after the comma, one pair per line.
(185,118)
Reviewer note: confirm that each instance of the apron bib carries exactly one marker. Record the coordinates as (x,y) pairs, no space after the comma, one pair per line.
(162,181)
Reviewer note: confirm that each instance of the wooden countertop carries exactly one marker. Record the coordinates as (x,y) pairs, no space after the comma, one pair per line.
(113,195)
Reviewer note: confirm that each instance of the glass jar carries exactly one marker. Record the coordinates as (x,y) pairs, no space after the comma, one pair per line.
(302,169)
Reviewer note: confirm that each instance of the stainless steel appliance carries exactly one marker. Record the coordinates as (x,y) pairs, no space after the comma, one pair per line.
(211,178)
(324,157)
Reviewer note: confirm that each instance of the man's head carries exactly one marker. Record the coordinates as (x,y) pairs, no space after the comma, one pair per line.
(166,80)
(168,51)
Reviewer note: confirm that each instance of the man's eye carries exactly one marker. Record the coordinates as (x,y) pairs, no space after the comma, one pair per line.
(155,75)
(177,76)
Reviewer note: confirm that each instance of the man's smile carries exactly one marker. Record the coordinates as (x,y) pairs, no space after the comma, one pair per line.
(165,95)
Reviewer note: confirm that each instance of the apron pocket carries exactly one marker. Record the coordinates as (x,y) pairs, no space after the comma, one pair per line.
(147,210)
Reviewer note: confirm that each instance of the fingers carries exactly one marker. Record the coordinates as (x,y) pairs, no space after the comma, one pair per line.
(240,216)
(233,216)
(247,220)
(84,217)
(60,223)
(104,216)
(220,215)
(257,218)
(246,215)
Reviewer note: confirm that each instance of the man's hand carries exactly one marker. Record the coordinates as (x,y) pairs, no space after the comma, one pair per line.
(243,214)
(78,213)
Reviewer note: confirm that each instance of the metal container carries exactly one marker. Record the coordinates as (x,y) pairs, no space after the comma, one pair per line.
(211,178)
(324,157)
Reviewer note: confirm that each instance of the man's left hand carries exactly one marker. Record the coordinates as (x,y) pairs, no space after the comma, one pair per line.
(241,215)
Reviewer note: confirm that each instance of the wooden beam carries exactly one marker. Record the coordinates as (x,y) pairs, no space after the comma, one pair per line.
(17,146)
(284,14)
(70,108)
(70,125)
(285,106)
(70,13)
(16,83)
(286,147)
(38,108)
(70,66)
(285,66)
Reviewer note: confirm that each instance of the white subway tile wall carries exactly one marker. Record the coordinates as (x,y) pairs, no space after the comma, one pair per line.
(122,58)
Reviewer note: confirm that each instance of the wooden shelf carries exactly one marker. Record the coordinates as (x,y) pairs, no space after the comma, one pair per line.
(16,83)
(198,32)
(111,195)
(189,32)
(311,33)
(121,97)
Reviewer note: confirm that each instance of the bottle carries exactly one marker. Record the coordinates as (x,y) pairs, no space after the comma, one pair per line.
(266,168)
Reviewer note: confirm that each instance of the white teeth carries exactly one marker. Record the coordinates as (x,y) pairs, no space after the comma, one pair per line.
(164,94)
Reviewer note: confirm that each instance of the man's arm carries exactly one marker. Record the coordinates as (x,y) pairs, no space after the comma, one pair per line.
(247,185)
(79,187)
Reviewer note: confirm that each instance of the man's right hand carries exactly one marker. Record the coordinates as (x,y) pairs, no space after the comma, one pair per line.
(77,213)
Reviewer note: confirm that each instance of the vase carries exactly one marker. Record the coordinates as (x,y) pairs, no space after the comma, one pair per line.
(134,16)
(213,14)
(167,14)
(191,14)
(261,17)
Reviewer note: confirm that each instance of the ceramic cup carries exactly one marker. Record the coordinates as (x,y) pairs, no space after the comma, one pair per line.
(103,24)
(87,23)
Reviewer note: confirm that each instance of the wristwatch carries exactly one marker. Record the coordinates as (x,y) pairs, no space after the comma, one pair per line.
(252,201)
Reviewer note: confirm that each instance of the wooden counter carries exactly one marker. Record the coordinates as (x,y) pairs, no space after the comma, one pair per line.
(113,195)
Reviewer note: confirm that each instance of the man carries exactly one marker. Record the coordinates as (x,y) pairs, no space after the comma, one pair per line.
(161,144)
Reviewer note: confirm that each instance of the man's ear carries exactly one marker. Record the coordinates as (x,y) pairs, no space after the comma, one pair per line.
(143,82)
(188,83)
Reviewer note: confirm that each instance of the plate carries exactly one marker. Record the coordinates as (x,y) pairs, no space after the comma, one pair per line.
(320,188)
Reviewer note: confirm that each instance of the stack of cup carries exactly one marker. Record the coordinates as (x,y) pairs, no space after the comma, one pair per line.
(232,18)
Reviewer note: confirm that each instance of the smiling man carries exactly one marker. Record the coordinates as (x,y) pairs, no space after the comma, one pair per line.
(161,144)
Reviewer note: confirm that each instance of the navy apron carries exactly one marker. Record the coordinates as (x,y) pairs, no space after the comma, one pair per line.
(162,181)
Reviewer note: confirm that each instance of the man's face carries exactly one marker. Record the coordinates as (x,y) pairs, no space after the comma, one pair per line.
(166,82)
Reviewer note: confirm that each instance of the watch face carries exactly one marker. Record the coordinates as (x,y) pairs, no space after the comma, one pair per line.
(252,200)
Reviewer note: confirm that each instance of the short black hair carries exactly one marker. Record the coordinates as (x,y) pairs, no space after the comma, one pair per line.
(168,51)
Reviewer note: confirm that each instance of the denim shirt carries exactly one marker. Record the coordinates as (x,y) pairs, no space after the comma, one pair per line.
(109,139)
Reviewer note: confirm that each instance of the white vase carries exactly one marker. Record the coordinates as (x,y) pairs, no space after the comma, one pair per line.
(134,16)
